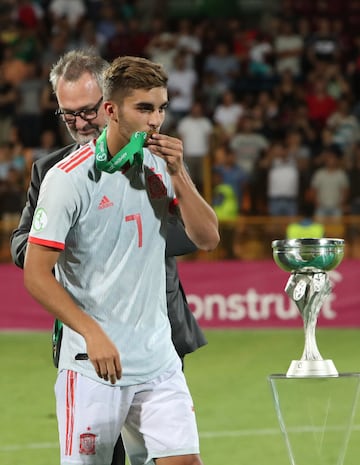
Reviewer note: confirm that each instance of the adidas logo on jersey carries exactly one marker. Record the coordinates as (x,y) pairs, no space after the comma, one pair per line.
(105,203)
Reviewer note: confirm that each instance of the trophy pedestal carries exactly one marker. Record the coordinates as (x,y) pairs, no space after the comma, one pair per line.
(311,368)
(316,416)
(315,404)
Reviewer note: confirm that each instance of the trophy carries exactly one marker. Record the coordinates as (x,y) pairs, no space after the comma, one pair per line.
(314,403)
(308,261)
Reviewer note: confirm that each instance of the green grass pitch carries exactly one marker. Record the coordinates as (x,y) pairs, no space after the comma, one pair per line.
(227,378)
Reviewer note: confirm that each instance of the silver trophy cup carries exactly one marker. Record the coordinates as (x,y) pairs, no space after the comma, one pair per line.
(308,261)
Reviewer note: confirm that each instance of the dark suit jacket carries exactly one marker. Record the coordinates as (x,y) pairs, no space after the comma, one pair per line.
(186,333)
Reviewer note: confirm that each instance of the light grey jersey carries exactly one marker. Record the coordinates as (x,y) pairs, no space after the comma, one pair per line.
(111,231)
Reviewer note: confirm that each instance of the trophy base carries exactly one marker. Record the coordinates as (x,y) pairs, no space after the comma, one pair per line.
(311,368)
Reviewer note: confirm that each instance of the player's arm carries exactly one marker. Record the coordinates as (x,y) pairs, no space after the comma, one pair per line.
(200,220)
(42,285)
(201,224)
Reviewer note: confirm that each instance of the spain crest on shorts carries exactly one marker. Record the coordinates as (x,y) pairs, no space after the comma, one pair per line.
(87,444)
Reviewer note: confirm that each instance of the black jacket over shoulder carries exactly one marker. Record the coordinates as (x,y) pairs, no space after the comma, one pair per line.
(186,333)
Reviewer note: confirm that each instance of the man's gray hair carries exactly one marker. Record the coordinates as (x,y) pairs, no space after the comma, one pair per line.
(75,63)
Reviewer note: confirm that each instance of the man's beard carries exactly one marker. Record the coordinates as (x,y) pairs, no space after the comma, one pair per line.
(83,139)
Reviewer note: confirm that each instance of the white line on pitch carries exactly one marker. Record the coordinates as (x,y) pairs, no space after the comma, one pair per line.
(33,445)
(272,431)
(203,435)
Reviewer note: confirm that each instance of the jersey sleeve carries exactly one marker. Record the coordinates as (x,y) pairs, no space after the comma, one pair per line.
(55,210)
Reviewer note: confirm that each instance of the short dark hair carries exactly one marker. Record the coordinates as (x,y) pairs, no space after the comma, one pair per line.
(128,73)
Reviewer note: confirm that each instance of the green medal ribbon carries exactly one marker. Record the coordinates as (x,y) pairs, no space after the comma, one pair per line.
(132,152)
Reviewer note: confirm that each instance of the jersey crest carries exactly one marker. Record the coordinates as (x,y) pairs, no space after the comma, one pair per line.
(87,444)
(157,189)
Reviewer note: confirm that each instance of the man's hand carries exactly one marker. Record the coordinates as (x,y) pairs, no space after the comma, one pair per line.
(104,355)
(169,149)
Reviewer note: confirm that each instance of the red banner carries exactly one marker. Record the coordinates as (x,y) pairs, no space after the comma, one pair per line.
(231,294)
(237,294)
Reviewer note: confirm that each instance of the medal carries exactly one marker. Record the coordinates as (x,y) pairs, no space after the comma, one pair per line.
(131,153)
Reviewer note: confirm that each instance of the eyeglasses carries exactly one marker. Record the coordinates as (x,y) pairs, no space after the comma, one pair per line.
(87,114)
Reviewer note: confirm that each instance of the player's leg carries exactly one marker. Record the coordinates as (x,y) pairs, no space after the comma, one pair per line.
(161,425)
(90,416)
(119,453)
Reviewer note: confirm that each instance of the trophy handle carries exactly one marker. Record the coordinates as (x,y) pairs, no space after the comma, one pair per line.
(309,290)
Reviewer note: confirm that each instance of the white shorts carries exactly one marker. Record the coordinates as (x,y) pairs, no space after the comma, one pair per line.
(156,419)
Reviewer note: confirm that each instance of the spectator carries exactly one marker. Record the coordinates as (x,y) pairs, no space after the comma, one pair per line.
(48,144)
(57,45)
(352,70)
(300,153)
(344,125)
(224,199)
(295,145)
(323,45)
(28,111)
(5,160)
(325,139)
(260,57)
(119,43)
(188,42)
(138,37)
(226,207)
(106,22)
(11,189)
(28,13)
(8,98)
(210,92)
(247,145)
(223,64)
(88,38)
(264,118)
(354,182)
(306,227)
(282,182)
(230,173)
(228,112)
(288,49)
(50,120)
(162,49)
(337,84)
(73,11)
(304,27)
(287,94)
(320,104)
(268,104)
(14,69)
(195,131)
(181,87)
(330,185)
(11,198)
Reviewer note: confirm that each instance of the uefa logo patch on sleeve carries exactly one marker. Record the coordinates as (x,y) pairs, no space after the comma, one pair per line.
(40,219)
(87,444)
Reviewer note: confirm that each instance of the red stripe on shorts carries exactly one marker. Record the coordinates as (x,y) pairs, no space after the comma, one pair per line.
(70,410)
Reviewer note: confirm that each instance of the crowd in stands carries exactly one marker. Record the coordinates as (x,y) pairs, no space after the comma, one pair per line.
(274,105)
